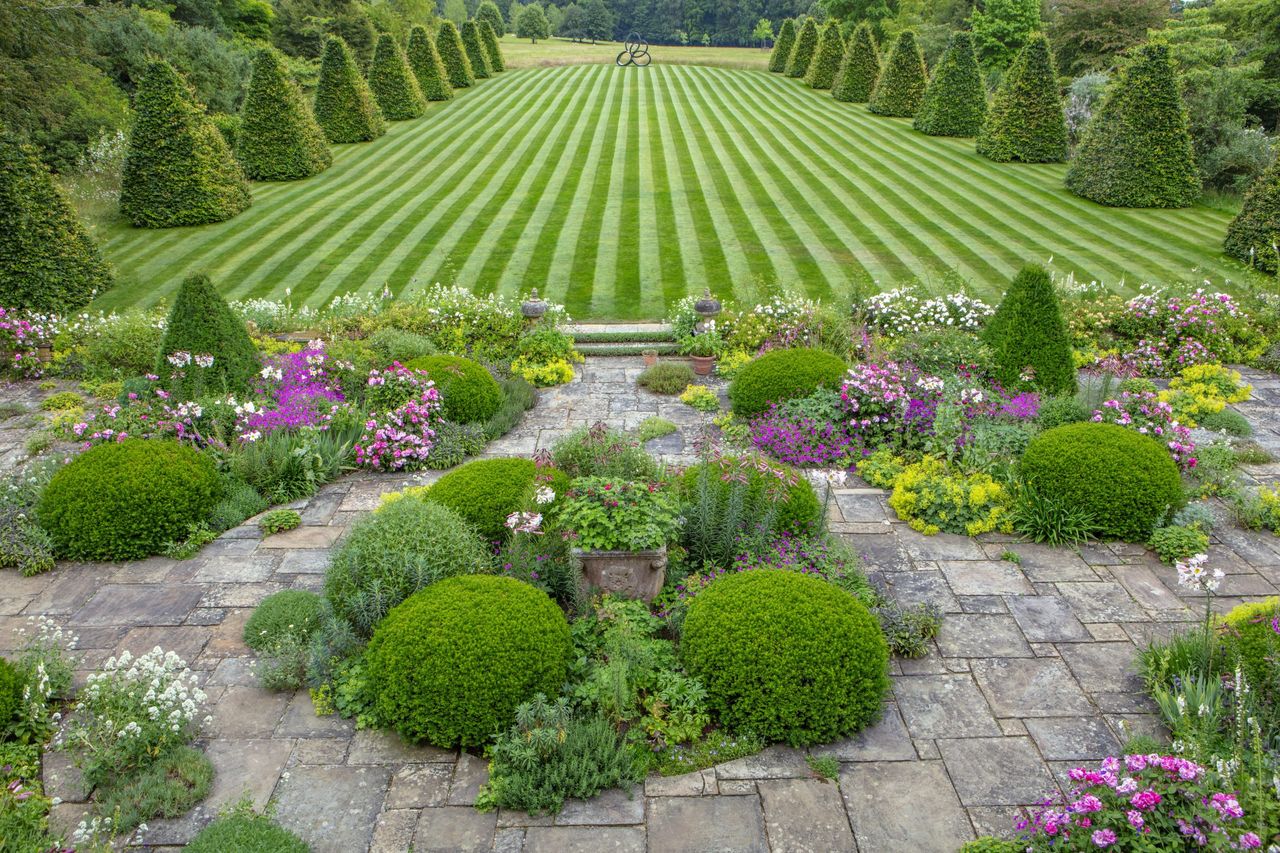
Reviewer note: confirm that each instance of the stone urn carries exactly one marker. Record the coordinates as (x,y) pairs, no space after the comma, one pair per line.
(702,364)
(533,307)
(633,574)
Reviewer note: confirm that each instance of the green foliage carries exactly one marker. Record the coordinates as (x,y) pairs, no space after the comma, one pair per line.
(493,50)
(392,344)
(166,788)
(1136,151)
(290,612)
(714,747)
(488,11)
(860,68)
(1125,480)
(278,139)
(12,682)
(48,261)
(931,497)
(1057,411)
(955,103)
(124,501)
(803,50)
(454,56)
(605,514)
(392,82)
(824,766)
(598,451)
(786,657)
(468,392)
(1250,639)
(476,53)
(1174,543)
(239,501)
(1001,28)
(654,427)
(518,397)
(908,630)
(394,552)
(1253,236)
(427,67)
(990,844)
(345,108)
(179,170)
(279,520)
(452,663)
(1025,122)
(24,544)
(1228,420)
(1028,337)
(61,401)
(531,23)
(667,377)
(900,88)
(201,323)
(826,59)
(241,830)
(485,491)
(782,46)
(1044,516)
(782,374)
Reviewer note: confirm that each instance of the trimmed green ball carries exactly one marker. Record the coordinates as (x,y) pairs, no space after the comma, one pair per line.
(468,392)
(782,375)
(485,491)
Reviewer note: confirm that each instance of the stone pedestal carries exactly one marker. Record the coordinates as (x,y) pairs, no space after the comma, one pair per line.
(633,574)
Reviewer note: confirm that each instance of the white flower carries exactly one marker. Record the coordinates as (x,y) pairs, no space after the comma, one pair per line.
(544,495)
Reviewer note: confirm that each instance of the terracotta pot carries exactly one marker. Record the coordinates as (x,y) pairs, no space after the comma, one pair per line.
(633,574)
(650,359)
(702,364)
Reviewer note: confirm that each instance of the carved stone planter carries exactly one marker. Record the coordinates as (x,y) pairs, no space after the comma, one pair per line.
(633,574)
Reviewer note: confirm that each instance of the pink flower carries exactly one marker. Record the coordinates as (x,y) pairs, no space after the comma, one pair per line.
(1104,838)
(1249,841)
(1145,800)
(1136,820)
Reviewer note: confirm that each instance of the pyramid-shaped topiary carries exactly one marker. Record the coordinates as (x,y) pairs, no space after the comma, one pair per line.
(1025,121)
(489,11)
(279,139)
(427,67)
(392,82)
(826,60)
(201,324)
(782,47)
(1254,234)
(802,53)
(476,53)
(493,51)
(901,86)
(1028,337)
(956,101)
(178,170)
(454,56)
(1137,151)
(345,108)
(48,262)
(859,69)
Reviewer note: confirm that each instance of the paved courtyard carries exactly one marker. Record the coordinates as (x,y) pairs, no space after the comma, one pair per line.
(1032,673)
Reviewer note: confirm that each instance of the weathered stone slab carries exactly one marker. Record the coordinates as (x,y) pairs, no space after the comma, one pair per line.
(1146,588)
(306,536)
(984,577)
(1103,667)
(943,546)
(1073,738)
(805,815)
(936,706)
(887,803)
(300,720)
(996,771)
(454,829)
(235,568)
(379,746)
(245,768)
(334,809)
(1101,602)
(393,832)
(1046,619)
(416,786)
(469,774)
(139,604)
(608,808)
(923,587)
(774,762)
(706,825)
(699,783)
(584,839)
(1030,687)
(248,712)
(887,740)
(975,636)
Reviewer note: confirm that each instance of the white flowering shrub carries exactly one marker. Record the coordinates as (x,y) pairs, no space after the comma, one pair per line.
(905,310)
(48,664)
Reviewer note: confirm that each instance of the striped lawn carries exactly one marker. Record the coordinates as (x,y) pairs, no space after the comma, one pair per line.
(619,191)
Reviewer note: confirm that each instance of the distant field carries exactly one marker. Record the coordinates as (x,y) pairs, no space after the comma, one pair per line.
(620,190)
(520,53)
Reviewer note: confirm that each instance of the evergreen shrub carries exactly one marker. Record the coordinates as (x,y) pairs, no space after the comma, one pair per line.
(1254,235)
(392,82)
(278,139)
(454,56)
(782,46)
(201,323)
(427,67)
(902,82)
(1027,331)
(1026,122)
(860,68)
(468,391)
(956,101)
(826,59)
(802,52)
(485,491)
(493,50)
(345,108)
(476,53)
(781,375)
(288,613)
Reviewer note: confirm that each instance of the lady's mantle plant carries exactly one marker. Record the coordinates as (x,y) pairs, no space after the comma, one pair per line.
(612,515)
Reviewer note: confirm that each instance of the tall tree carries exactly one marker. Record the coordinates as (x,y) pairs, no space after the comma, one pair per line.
(763,33)
(1025,122)
(427,67)
(1001,28)
(860,68)
(489,11)
(1254,235)
(1087,35)
(392,82)
(597,21)
(476,53)
(532,23)
(179,170)
(901,86)
(826,60)
(802,53)
(279,138)
(782,47)
(956,101)
(345,108)
(1137,152)
(871,12)
(454,56)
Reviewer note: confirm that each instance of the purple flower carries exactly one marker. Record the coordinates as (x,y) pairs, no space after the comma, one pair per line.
(1104,838)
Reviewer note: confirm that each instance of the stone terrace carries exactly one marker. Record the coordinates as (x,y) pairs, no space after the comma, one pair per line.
(1032,673)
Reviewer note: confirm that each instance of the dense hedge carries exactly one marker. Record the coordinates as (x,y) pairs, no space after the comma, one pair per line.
(1025,121)
(345,108)
(902,82)
(126,500)
(48,262)
(1125,480)
(278,139)
(782,46)
(450,664)
(781,375)
(392,553)
(427,67)
(956,101)
(454,56)
(802,52)
(786,657)
(826,60)
(178,170)
(1027,331)
(201,323)
(476,54)
(1255,232)
(485,491)
(392,82)
(1136,150)
(468,392)
(860,68)
(493,50)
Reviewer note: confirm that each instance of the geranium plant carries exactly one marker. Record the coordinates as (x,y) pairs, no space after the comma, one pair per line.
(603,514)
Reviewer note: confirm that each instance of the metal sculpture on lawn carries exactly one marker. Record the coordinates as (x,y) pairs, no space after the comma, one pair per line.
(636,52)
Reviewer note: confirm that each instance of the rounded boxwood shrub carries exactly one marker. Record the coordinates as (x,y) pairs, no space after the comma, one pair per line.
(468,392)
(290,612)
(1126,481)
(124,501)
(485,491)
(11,684)
(392,553)
(782,375)
(1249,638)
(786,656)
(450,664)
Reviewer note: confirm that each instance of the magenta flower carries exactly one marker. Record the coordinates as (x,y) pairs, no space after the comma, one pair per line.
(1104,838)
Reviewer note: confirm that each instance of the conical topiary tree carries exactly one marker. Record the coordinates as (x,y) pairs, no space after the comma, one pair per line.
(489,11)
(956,101)
(859,69)
(345,108)
(201,323)
(48,262)
(826,60)
(1025,121)
(1136,151)
(1254,235)
(476,53)
(178,170)
(901,86)
(782,47)
(454,56)
(802,52)
(427,67)
(493,50)
(278,139)
(1028,337)
(392,82)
